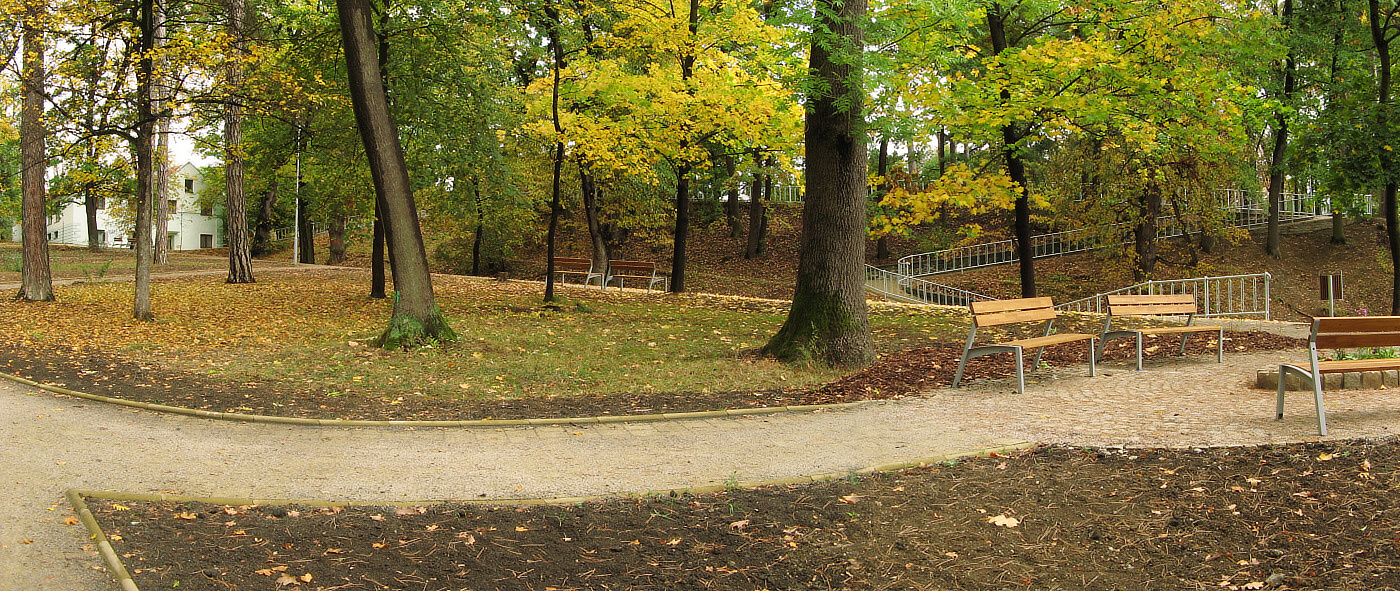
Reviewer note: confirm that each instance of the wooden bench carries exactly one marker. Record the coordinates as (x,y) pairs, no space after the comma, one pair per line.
(1003,312)
(1181,304)
(576,266)
(1340,333)
(645,271)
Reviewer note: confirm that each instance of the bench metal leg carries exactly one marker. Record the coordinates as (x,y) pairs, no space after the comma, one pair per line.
(1138,336)
(1021,370)
(1308,378)
(1183,344)
(1220,347)
(1091,358)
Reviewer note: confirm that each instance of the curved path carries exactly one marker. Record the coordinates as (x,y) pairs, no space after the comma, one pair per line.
(50,443)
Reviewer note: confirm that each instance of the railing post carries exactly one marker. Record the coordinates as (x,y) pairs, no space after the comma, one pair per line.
(1268,301)
(1205,286)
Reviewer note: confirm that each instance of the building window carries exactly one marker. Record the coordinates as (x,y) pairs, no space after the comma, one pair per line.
(189,185)
(101,236)
(206,209)
(101,203)
(171,206)
(117,239)
(206,241)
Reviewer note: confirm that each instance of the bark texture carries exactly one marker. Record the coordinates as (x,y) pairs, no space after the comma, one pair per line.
(161,252)
(1272,245)
(416,318)
(240,253)
(828,320)
(36,282)
(1382,39)
(1011,135)
(145,160)
(590,189)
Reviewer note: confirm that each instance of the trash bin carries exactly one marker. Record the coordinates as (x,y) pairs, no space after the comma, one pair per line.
(1329,286)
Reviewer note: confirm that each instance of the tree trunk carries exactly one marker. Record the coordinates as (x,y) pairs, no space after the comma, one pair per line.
(240,256)
(681,235)
(828,319)
(1011,135)
(1339,226)
(731,204)
(161,105)
(161,241)
(480,229)
(36,283)
(262,226)
(589,187)
(306,237)
(757,214)
(882,244)
(556,48)
(336,233)
(145,123)
(1392,221)
(376,264)
(1277,162)
(416,318)
(1145,232)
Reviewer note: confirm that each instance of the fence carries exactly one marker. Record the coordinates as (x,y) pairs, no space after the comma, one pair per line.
(918,291)
(1232,295)
(1248,210)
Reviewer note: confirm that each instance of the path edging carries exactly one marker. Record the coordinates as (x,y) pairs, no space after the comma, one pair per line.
(114,564)
(230,416)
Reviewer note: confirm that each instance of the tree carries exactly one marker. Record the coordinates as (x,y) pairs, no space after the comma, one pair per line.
(240,257)
(416,318)
(145,157)
(1278,160)
(828,320)
(35,281)
(1384,30)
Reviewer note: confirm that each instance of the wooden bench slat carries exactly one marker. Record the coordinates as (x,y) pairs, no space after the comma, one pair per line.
(1357,365)
(1179,329)
(993,306)
(1170,298)
(1358,324)
(1164,309)
(1054,339)
(1351,340)
(1000,318)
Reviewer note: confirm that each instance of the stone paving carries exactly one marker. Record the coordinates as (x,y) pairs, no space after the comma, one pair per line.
(51,443)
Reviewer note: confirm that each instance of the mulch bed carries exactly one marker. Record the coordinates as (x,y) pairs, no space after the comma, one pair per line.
(1314,516)
(895,375)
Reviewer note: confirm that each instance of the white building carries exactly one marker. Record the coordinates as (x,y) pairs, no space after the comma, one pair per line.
(191,226)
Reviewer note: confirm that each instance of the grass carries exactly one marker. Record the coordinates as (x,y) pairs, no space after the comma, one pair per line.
(309,329)
(70,262)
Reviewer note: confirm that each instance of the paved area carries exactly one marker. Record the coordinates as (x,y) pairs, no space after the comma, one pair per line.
(50,443)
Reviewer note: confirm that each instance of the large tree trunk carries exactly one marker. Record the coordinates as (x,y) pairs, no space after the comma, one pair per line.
(479,234)
(556,49)
(1339,226)
(336,234)
(262,226)
(416,318)
(1011,136)
(36,283)
(681,236)
(828,319)
(162,164)
(240,256)
(1276,165)
(306,235)
(1392,221)
(589,186)
(90,196)
(145,161)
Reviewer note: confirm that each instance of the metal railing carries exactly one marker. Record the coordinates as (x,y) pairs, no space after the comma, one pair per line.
(280,234)
(912,290)
(1232,295)
(1247,210)
(781,194)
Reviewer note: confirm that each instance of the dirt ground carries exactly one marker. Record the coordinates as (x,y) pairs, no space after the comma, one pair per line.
(1307,516)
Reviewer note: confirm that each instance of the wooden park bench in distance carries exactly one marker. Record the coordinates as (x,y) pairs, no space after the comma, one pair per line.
(642,270)
(1180,304)
(576,266)
(1340,333)
(1004,312)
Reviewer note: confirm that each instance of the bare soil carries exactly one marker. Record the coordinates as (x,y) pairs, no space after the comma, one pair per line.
(1306,516)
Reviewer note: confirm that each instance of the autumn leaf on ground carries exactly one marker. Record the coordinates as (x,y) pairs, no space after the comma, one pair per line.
(850,499)
(286,579)
(739,524)
(70,520)
(1004,521)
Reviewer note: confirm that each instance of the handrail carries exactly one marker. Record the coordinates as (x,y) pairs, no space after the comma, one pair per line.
(1247,213)
(1229,295)
(917,291)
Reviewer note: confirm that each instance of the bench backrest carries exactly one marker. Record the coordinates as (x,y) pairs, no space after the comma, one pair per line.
(631,268)
(999,312)
(1356,331)
(1152,305)
(572,263)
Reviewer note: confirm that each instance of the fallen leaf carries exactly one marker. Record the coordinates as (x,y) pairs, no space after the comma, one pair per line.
(378,545)
(739,524)
(377,517)
(185,515)
(850,499)
(306,578)
(70,520)
(1004,521)
(521,528)
(286,579)
(1254,585)
(1323,457)
(468,537)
